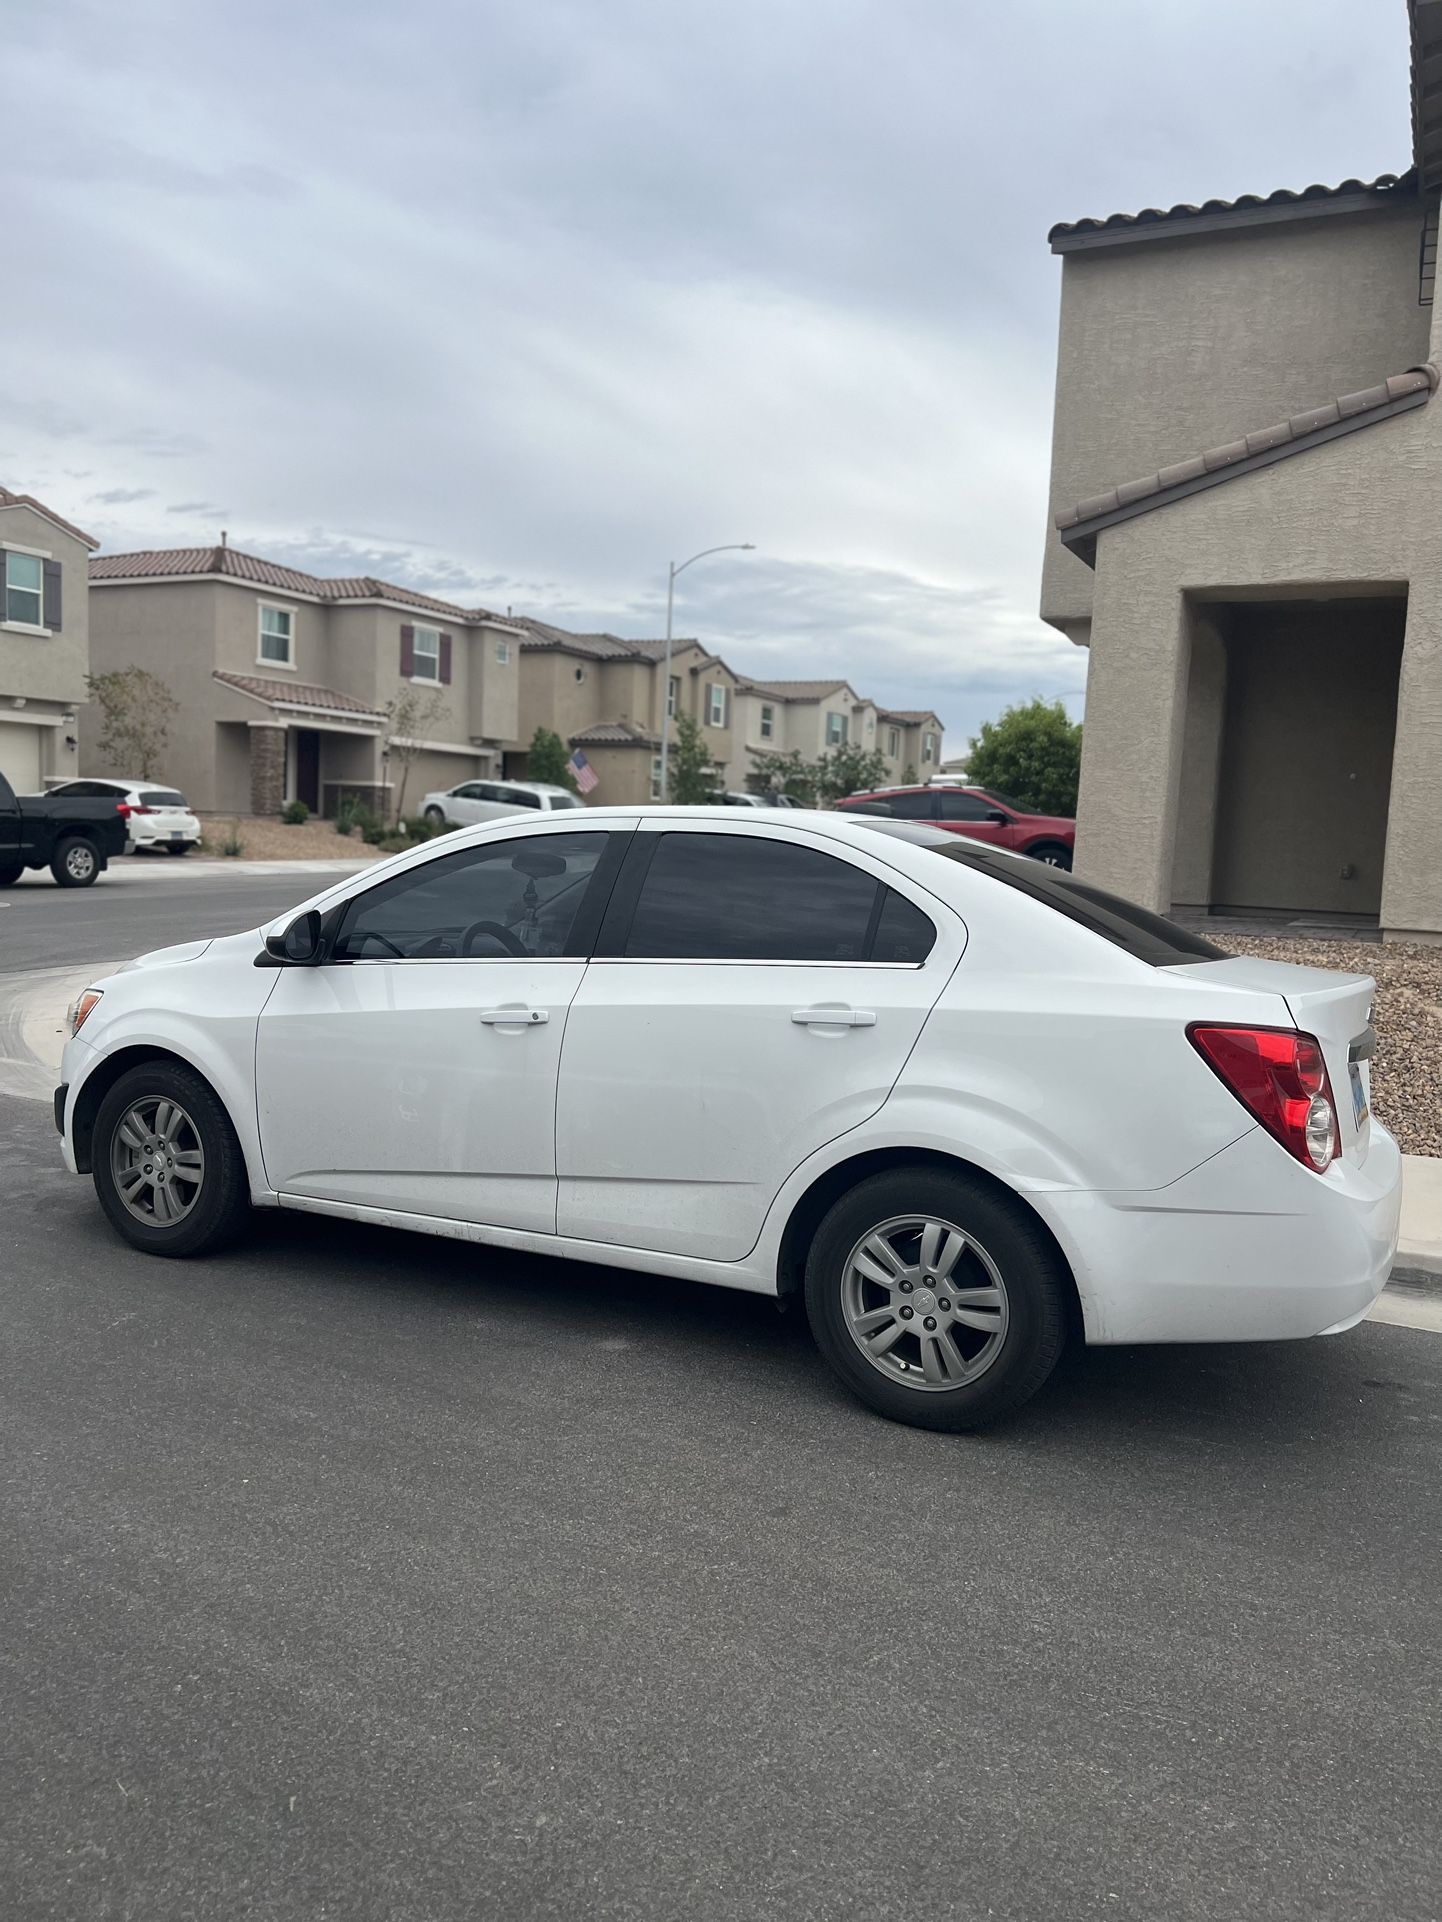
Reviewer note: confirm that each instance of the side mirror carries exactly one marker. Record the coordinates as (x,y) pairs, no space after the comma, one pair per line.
(298,944)
(1001,820)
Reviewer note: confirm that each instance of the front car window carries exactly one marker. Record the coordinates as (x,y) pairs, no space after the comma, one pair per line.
(509,899)
(963,807)
(1137,931)
(738,897)
(276,635)
(24,588)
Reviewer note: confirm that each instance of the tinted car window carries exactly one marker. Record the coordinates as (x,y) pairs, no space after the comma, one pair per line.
(1146,936)
(519,797)
(88,790)
(912,807)
(964,807)
(508,898)
(735,897)
(161,797)
(903,932)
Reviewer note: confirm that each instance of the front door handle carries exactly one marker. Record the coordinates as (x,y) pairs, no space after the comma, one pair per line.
(834,1018)
(515,1017)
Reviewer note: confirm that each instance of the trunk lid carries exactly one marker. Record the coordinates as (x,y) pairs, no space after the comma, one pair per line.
(1335,1008)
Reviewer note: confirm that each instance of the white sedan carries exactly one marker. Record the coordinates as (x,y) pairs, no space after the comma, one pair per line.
(473,802)
(966,1106)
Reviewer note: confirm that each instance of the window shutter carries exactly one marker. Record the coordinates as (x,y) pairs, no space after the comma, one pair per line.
(50,615)
(408,652)
(446,659)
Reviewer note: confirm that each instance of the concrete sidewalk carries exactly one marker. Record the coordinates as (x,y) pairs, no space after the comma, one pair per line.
(1419,1247)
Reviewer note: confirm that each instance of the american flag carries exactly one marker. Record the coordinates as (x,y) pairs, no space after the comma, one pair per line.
(586,775)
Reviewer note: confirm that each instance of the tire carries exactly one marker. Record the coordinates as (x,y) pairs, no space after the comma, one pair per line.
(436,817)
(219,1206)
(1052,854)
(1000,1361)
(75,862)
(11,873)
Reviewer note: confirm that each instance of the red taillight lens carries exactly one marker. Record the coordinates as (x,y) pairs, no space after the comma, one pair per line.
(124,810)
(1279,1076)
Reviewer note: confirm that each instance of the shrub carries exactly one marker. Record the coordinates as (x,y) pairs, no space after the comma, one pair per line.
(295,814)
(344,824)
(391,843)
(232,846)
(373,832)
(420,829)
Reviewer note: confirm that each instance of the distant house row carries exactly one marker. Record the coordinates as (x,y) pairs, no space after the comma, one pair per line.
(286,682)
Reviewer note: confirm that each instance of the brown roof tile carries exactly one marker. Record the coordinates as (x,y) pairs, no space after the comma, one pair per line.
(615,734)
(295,694)
(1283,437)
(791,690)
(7,499)
(1175,219)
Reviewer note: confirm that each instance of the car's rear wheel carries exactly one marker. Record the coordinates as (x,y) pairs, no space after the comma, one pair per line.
(169,1170)
(11,873)
(75,863)
(1052,854)
(937,1300)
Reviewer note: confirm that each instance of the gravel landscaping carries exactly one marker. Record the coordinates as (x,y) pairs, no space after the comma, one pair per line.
(267,839)
(1407,1070)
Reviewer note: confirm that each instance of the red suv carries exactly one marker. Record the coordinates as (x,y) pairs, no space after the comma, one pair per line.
(979,813)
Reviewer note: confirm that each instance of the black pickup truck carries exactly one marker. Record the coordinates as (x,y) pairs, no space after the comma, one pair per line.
(74,838)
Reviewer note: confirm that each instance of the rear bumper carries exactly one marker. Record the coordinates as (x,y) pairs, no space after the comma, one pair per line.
(1251,1246)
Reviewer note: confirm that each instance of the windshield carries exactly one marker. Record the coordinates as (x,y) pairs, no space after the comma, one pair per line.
(1146,936)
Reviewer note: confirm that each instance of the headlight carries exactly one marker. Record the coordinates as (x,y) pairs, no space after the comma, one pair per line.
(79,1012)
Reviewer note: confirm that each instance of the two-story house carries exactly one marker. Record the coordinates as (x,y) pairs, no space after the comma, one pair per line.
(1247,535)
(291,686)
(44,641)
(813,718)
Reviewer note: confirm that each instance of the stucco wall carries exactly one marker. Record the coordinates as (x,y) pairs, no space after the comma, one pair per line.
(170,631)
(1358,513)
(1168,347)
(50,668)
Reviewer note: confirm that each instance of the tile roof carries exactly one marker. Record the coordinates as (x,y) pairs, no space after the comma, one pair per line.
(296,694)
(541,637)
(1080,524)
(908,716)
(1280,205)
(7,499)
(791,690)
(615,734)
(230,562)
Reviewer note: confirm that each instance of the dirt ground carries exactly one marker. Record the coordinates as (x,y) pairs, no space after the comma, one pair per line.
(1407,1071)
(267,839)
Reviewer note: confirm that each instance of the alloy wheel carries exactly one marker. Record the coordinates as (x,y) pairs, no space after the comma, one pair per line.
(80,862)
(157,1161)
(924,1303)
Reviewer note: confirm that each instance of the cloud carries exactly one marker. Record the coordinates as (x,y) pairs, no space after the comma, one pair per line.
(195,507)
(123,496)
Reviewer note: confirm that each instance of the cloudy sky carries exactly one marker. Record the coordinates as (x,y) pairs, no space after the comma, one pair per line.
(518,299)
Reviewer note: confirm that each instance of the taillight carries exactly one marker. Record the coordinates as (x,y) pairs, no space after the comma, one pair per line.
(124,810)
(1279,1076)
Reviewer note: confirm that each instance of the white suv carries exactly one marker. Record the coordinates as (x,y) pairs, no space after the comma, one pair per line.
(476,801)
(963,1104)
(155,816)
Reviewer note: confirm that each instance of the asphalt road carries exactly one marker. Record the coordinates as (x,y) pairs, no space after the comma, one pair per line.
(356,1576)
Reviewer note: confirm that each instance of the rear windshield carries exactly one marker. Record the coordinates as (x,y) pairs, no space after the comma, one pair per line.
(1146,936)
(161,797)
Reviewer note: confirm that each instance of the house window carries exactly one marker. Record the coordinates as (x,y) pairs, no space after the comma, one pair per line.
(503,653)
(928,747)
(24,588)
(836,730)
(673,693)
(893,743)
(277,636)
(427,658)
(768,723)
(715,704)
(655,777)
(871,723)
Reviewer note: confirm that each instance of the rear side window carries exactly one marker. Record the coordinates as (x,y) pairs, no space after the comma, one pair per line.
(910,807)
(519,797)
(725,897)
(1137,931)
(161,797)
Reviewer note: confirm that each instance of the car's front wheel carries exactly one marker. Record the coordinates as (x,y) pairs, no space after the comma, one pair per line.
(937,1300)
(168,1168)
(1052,854)
(435,818)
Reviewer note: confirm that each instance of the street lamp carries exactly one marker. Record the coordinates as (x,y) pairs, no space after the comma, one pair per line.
(727,547)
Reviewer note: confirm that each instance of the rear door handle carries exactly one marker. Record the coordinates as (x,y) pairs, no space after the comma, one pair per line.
(515,1017)
(834,1018)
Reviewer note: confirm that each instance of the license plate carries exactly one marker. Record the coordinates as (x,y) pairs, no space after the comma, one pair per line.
(177,837)
(1360,1109)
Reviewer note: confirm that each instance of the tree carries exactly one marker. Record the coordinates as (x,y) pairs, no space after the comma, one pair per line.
(410,717)
(691,774)
(135,710)
(908,775)
(1032,755)
(547,760)
(773,773)
(849,770)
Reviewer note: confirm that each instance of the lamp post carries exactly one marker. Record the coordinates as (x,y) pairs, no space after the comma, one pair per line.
(727,547)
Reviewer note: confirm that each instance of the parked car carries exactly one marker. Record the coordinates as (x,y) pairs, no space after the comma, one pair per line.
(734,798)
(155,817)
(981,814)
(476,801)
(74,836)
(960,1104)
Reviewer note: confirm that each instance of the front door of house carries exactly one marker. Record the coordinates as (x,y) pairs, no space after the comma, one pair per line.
(307,768)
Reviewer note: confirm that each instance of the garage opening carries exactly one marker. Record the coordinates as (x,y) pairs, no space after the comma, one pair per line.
(1287,765)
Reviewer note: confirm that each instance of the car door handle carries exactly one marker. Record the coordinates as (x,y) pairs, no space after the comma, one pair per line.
(515,1017)
(834,1018)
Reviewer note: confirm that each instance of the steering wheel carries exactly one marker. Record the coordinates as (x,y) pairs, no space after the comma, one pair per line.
(497,933)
